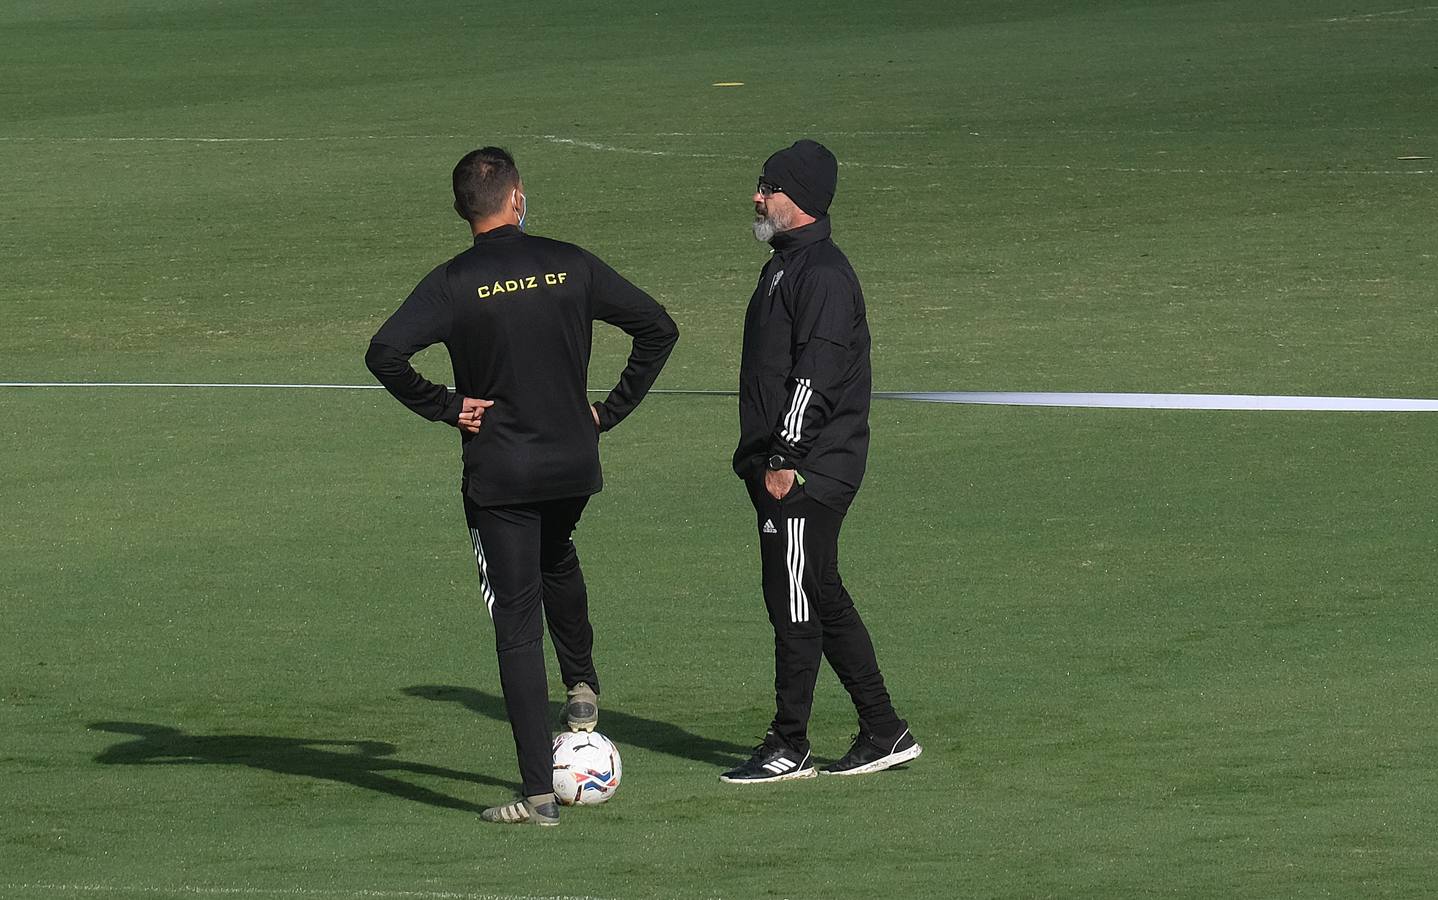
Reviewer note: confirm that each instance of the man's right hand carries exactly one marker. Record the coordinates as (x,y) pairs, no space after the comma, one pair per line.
(471,414)
(779,483)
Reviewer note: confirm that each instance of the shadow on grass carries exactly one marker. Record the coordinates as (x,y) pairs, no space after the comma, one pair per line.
(661,737)
(363,764)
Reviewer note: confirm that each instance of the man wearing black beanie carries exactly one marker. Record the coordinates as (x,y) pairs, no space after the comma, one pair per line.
(804,389)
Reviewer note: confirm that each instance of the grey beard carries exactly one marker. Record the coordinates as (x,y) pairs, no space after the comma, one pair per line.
(767,227)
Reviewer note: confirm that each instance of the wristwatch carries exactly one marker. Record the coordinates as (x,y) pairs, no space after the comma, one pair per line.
(777,462)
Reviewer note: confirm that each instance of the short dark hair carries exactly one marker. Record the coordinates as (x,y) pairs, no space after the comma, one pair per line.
(482,181)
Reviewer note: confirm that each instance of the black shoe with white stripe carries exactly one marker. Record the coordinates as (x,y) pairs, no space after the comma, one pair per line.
(771,761)
(873,754)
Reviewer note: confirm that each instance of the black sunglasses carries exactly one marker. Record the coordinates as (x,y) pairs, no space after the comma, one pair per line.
(768,190)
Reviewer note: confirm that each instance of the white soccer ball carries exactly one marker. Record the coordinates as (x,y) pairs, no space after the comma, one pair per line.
(586,768)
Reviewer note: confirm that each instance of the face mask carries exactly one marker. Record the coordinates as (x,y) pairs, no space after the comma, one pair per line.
(523,210)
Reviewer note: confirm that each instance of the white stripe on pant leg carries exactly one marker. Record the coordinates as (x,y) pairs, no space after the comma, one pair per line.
(796,563)
(484,587)
(789,562)
(799,574)
(798,601)
(803,597)
(479,559)
(803,600)
(789,527)
(789,567)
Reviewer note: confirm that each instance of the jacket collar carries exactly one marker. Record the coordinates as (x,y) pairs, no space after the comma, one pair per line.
(786,242)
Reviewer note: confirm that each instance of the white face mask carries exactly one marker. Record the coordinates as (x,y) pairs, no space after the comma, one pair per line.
(523,209)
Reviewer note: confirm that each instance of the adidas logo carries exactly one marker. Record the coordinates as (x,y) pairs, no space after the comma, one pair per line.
(769,527)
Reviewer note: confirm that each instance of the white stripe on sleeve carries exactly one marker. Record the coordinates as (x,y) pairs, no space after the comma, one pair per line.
(794,419)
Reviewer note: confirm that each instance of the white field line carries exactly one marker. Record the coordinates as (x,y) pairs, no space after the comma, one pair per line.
(1170,401)
(190,139)
(600,147)
(1153,170)
(548,138)
(610,148)
(1389,14)
(956,131)
(31,890)
(333,138)
(1060,167)
(188,384)
(1077,400)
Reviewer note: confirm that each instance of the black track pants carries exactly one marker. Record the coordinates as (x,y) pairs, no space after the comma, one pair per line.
(529,574)
(813,616)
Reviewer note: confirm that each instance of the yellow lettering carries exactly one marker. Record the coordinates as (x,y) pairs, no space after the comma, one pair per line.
(521,283)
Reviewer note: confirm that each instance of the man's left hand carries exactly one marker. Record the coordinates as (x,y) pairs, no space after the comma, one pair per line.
(471,414)
(779,483)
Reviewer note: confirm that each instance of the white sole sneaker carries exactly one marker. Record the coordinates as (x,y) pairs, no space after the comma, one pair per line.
(888,762)
(770,779)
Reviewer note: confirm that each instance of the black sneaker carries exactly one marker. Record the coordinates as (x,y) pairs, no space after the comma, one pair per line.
(772,761)
(872,754)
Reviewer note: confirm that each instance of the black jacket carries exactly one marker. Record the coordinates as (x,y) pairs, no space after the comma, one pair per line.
(804,379)
(516,313)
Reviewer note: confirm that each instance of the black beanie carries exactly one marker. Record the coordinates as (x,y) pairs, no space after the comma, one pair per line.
(808,173)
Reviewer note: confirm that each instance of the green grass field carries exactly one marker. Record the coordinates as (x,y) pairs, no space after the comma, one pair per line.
(1148,653)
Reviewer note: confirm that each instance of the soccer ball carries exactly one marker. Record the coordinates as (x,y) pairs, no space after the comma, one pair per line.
(586,768)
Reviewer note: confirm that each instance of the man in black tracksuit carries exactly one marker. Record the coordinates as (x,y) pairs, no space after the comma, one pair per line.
(804,390)
(516,314)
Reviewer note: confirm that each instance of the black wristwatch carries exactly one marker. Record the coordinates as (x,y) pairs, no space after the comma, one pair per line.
(777,462)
